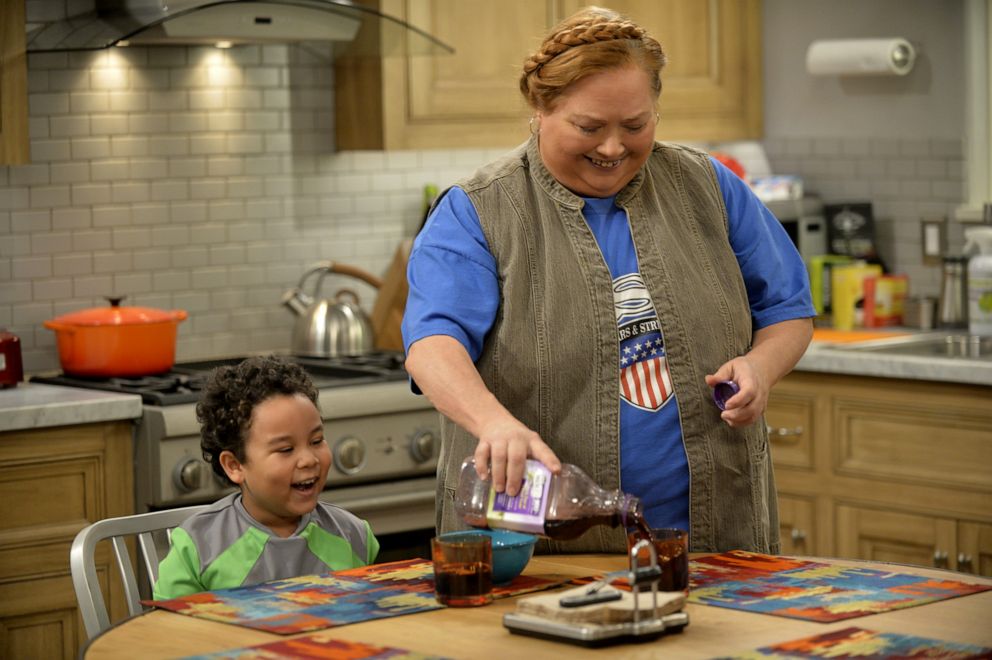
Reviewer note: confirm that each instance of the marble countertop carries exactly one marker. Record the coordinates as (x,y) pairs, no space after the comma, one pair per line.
(825,357)
(35,405)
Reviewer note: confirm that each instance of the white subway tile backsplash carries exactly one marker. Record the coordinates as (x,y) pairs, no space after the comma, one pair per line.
(34,313)
(114,125)
(46,105)
(29,175)
(131,237)
(53,289)
(50,196)
(89,148)
(154,259)
(134,191)
(193,212)
(207,189)
(72,264)
(111,216)
(71,172)
(92,240)
(148,123)
(129,101)
(152,213)
(189,257)
(51,243)
(15,292)
(68,126)
(209,278)
(128,145)
(132,283)
(38,128)
(25,222)
(49,150)
(71,218)
(109,170)
(82,102)
(30,268)
(168,145)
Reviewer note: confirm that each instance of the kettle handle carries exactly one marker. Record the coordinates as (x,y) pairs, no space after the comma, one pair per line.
(354,271)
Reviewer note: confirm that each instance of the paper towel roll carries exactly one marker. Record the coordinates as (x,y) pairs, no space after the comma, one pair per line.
(893,57)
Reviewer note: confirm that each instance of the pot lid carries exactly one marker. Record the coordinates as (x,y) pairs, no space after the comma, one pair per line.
(114,314)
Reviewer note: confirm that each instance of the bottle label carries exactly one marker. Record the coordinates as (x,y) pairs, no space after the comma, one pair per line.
(525,511)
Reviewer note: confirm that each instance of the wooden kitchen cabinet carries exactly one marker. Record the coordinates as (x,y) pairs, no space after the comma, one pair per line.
(895,470)
(712,84)
(54,482)
(14,148)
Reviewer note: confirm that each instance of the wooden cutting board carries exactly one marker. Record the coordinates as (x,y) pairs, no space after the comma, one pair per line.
(387,313)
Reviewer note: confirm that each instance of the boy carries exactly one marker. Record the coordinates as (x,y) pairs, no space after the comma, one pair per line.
(261,430)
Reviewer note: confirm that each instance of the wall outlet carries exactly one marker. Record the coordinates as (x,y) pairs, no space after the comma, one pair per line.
(933,239)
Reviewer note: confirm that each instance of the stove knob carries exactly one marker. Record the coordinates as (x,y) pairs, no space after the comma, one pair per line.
(349,455)
(422,446)
(189,475)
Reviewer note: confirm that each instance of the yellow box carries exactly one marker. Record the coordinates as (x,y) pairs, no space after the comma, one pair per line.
(848,292)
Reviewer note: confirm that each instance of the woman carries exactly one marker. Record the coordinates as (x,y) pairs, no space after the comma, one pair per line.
(592,251)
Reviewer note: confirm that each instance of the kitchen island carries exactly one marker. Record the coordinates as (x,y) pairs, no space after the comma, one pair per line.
(479,633)
(65,461)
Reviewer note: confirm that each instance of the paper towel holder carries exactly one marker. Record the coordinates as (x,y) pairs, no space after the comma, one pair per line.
(894,56)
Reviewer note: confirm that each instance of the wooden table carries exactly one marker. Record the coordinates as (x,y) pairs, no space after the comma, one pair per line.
(479,632)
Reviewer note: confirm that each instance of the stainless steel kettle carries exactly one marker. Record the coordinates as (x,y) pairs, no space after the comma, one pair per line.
(330,328)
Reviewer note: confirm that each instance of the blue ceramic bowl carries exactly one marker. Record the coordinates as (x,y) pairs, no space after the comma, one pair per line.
(511,550)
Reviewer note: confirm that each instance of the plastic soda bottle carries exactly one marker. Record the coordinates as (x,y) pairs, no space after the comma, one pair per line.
(560,506)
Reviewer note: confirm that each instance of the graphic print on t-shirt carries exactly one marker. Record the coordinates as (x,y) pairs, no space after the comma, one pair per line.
(644,379)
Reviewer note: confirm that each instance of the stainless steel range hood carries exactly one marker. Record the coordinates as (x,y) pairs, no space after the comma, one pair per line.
(185,22)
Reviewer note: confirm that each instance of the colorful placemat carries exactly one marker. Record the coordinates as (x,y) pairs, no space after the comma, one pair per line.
(812,591)
(316,646)
(865,645)
(314,602)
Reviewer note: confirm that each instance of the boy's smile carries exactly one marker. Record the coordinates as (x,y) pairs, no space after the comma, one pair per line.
(286,462)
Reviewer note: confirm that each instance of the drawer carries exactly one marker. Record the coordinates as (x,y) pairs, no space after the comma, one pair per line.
(790,418)
(928,444)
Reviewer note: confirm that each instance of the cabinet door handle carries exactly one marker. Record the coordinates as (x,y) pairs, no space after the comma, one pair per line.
(940,559)
(798,535)
(964,563)
(783,432)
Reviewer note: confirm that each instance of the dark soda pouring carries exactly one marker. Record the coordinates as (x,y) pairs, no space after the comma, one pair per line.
(573,528)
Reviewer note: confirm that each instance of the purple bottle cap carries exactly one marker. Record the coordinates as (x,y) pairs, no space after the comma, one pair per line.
(723,391)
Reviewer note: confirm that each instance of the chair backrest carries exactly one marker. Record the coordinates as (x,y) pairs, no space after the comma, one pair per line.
(82,560)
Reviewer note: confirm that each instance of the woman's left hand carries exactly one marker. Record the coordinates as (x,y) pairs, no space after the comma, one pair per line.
(747,406)
(775,350)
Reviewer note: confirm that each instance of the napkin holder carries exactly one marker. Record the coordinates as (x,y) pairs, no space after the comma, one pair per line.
(610,616)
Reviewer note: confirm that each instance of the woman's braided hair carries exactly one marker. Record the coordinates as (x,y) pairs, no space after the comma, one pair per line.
(593,39)
(230,397)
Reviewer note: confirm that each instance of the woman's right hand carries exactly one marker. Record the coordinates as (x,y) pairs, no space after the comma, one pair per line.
(504,446)
(447,376)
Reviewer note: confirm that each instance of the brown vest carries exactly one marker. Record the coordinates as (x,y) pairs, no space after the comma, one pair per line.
(552,355)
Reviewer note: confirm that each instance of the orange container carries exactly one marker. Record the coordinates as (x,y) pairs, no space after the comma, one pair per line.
(117,341)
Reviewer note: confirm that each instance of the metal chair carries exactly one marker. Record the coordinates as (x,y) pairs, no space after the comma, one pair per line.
(82,560)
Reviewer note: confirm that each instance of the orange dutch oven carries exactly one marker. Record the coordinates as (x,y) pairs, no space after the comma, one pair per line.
(117,341)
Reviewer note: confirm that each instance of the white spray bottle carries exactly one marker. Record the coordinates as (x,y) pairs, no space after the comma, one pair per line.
(979,280)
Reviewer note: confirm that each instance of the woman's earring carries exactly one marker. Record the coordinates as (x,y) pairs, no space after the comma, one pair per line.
(535,129)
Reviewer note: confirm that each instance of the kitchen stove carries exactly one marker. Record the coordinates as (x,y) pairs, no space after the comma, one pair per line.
(384,441)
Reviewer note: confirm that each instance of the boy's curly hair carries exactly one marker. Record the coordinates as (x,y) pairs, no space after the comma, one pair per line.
(230,397)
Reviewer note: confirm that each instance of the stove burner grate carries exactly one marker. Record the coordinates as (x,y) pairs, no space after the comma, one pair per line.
(187,379)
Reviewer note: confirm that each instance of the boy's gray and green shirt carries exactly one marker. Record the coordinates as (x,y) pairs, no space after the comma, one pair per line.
(224,547)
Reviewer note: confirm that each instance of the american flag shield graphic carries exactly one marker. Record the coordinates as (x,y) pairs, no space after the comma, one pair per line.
(646,384)
(644,378)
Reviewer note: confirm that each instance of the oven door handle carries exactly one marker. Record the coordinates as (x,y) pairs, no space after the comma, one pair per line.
(379,502)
